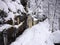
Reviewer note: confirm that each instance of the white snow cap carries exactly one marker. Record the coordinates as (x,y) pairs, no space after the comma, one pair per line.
(5,26)
(12,7)
(3,6)
(10,15)
(18,6)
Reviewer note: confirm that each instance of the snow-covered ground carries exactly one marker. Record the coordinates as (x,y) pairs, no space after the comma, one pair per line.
(55,37)
(37,35)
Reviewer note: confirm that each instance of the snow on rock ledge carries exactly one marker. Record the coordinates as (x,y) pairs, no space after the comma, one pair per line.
(3,6)
(5,26)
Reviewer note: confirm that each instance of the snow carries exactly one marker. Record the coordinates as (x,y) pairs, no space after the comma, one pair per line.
(7,1)
(5,26)
(17,26)
(10,16)
(37,35)
(18,1)
(3,6)
(34,19)
(11,7)
(55,37)
(17,14)
(22,8)
(29,11)
(18,6)
(14,6)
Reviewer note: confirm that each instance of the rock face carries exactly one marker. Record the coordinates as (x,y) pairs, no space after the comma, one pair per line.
(29,21)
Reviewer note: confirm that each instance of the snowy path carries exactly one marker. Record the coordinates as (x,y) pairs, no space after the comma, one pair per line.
(37,35)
